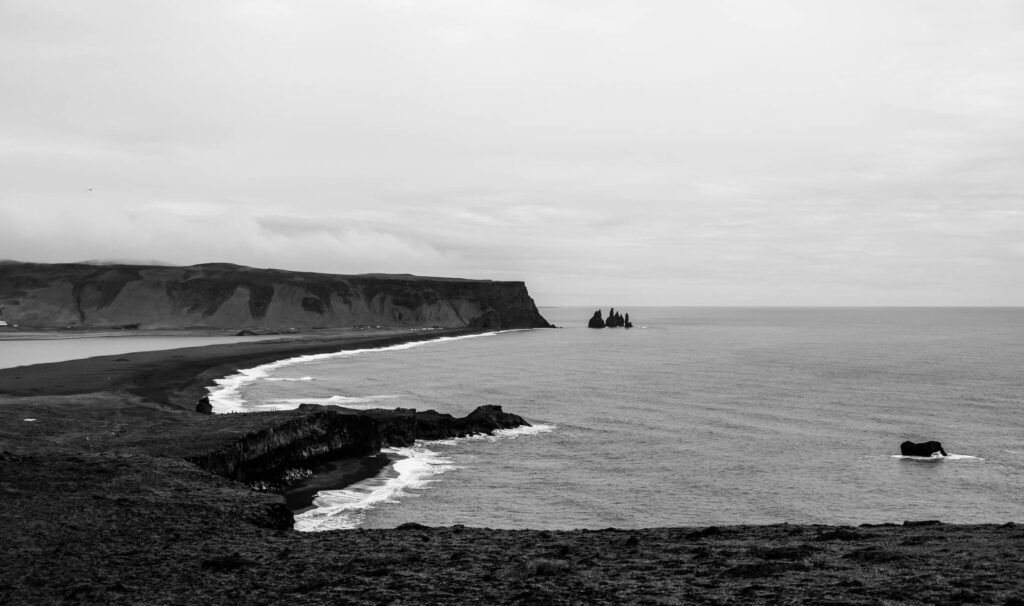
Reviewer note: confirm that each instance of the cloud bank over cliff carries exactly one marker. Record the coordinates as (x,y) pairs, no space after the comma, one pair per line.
(741,152)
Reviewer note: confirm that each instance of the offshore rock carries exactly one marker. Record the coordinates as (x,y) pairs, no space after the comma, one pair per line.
(225,296)
(615,320)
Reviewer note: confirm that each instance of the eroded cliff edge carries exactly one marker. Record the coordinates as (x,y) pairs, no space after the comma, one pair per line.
(269,449)
(225,296)
(296,440)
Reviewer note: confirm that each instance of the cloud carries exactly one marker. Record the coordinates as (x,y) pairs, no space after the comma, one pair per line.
(784,153)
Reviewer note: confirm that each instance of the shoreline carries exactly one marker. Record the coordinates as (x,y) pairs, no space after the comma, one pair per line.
(100,505)
(180,377)
(336,474)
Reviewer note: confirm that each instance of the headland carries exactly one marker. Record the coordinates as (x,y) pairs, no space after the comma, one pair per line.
(82,296)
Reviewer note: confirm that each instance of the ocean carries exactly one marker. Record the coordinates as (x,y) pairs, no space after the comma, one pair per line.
(694,417)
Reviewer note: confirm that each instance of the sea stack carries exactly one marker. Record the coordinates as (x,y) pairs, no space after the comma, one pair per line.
(615,320)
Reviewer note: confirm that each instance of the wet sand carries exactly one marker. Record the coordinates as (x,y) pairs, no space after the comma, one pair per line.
(334,475)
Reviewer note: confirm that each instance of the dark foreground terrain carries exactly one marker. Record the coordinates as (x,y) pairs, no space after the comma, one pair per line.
(98,505)
(129,529)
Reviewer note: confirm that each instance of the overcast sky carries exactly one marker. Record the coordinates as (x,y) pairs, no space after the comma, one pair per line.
(758,152)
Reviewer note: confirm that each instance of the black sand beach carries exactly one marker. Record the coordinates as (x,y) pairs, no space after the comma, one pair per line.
(99,506)
(179,377)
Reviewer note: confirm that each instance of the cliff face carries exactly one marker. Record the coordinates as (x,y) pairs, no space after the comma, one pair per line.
(226,296)
(323,433)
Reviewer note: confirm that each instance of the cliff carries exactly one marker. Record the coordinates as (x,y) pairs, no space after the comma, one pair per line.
(317,433)
(224,296)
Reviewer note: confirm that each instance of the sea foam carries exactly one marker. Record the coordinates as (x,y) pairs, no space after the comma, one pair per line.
(356,402)
(226,396)
(938,457)
(508,434)
(415,468)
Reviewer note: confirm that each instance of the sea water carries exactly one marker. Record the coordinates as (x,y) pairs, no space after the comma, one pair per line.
(694,417)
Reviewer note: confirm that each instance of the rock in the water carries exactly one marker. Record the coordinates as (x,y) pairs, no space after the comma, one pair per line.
(615,320)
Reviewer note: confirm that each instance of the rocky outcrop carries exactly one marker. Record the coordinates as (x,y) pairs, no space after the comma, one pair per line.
(924,449)
(224,296)
(203,406)
(615,320)
(432,425)
(323,433)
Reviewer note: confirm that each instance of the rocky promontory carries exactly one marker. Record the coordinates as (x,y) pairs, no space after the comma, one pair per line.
(275,444)
(225,296)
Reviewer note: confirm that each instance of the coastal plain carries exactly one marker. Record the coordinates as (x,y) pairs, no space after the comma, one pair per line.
(101,505)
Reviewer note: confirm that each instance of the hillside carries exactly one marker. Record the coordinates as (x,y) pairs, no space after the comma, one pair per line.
(225,296)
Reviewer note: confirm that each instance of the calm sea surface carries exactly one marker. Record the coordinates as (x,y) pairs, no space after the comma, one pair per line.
(694,417)
(58,348)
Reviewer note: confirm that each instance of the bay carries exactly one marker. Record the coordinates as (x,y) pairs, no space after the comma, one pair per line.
(694,417)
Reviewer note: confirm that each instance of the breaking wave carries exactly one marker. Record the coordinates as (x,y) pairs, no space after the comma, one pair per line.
(357,402)
(226,396)
(414,468)
(938,457)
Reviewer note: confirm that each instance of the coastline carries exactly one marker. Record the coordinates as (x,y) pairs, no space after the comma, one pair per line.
(100,506)
(334,475)
(179,377)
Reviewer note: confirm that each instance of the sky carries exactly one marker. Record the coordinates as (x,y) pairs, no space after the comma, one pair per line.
(761,152)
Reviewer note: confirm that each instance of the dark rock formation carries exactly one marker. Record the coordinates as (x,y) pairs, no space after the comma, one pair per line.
(326,433)
(615,320)
(924,449)
(432,425)
(204,407)
(76,295)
